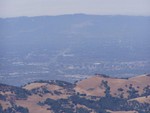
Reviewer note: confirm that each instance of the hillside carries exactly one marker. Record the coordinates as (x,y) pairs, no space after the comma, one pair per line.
(97,94)
(97,85)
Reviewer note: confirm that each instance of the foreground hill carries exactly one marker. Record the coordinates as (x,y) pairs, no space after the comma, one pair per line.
(98,94)
(96,86)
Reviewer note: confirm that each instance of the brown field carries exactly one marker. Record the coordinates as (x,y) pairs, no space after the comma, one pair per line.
(92,86)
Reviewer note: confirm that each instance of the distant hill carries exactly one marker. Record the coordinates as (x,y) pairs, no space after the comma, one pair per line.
(127,37)
(97,94)
(73,47)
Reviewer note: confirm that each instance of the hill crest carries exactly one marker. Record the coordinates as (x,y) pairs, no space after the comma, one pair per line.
(60,96)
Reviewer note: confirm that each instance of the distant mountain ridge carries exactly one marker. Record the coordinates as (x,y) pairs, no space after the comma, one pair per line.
(121,35)
(97,94)
(72,47)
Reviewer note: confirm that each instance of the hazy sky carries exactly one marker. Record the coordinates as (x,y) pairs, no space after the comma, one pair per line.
(13,8)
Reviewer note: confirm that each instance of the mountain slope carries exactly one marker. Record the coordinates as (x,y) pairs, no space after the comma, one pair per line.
(97,85)
(91,95)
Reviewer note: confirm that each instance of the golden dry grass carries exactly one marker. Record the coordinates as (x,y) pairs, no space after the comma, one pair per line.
(5,104)
(142,99)
(94,83)
(90,86)
(122,111)
(34,86)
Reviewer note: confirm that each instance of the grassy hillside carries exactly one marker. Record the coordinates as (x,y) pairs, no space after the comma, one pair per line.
(98,94)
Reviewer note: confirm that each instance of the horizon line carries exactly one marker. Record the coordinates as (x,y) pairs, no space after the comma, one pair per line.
(75,14)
